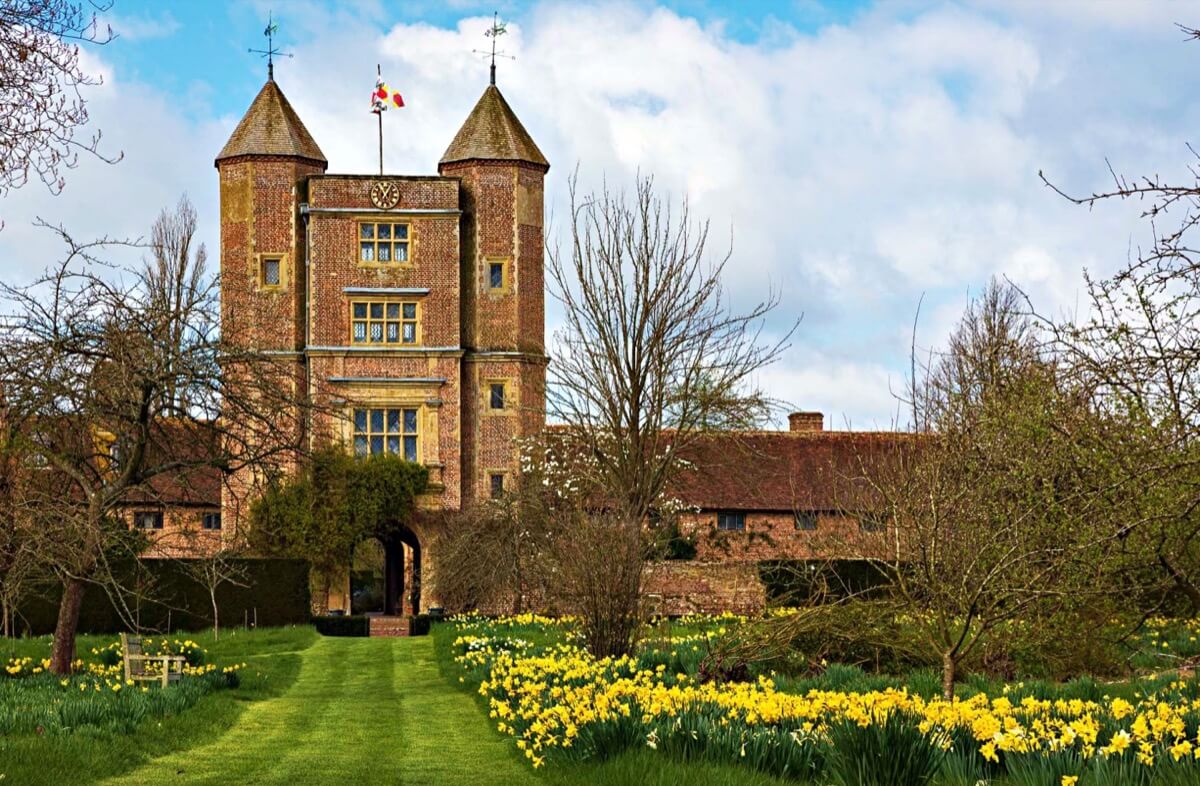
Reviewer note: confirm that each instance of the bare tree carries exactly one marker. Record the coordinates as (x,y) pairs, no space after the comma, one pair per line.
(41,103)
(1138,346)
(122,393)
(215,565)
(991,516)
(20,564)
(651,353)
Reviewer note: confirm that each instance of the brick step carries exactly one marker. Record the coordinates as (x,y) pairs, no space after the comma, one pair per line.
(388,626)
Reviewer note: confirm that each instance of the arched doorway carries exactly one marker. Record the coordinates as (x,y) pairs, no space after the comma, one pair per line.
(366,577)
(401,570)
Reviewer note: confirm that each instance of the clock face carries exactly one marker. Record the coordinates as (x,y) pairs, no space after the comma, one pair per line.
(385,195)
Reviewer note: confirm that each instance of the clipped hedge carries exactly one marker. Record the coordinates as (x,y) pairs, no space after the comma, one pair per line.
(343,625)
(420,624)
(796,582)
(276,593)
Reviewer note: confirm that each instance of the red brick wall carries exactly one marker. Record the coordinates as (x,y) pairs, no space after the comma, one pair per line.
(182,535)
(502,332)
(259,197)
(773,535)
(702,587)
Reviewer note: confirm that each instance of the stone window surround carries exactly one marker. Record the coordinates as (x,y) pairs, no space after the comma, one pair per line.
(510,396)
(376,221)
(260,260)
(506,282)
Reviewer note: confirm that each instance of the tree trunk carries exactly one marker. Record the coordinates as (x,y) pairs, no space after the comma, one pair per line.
(63,651)
(216,622)
(1190,591)
(949,669)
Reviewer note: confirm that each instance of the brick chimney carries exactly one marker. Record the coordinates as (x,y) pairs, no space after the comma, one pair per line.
(806,421)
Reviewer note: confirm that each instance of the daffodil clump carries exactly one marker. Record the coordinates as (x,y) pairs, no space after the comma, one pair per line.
(96,693)
(559,702)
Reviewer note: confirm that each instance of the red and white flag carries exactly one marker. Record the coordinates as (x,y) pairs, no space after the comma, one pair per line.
(384,97)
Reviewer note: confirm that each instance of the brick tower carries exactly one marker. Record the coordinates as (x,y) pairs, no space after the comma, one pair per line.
(263,170)
(501,173)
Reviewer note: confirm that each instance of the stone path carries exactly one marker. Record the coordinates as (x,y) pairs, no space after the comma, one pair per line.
(362,711)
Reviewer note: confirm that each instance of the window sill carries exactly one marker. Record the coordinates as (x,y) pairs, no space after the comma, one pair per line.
(386,265)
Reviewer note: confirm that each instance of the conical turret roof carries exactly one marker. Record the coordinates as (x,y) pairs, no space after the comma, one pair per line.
(492,132)
(272,128)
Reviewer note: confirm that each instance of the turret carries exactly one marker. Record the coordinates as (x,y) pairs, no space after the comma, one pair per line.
(263,171)
(263,168)
(501,171)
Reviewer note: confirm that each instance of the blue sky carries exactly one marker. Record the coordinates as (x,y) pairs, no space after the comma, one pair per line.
(199,48)
(859,156)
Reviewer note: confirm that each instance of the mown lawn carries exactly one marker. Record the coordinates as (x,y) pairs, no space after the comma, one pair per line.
(273,659)
(315,710)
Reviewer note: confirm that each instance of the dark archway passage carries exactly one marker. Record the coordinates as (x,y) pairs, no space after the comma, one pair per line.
(394,572)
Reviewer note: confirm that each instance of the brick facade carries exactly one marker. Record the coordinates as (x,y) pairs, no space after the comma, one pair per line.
(458,328)
(473,282)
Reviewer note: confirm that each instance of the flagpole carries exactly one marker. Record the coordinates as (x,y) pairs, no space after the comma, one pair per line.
(379,115)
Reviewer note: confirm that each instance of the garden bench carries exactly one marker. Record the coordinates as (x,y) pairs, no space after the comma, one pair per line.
(136,660)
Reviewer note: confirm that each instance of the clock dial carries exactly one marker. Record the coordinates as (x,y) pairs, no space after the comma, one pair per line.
(385,195)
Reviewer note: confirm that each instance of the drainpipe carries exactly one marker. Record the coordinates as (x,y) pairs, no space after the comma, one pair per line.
(308,386)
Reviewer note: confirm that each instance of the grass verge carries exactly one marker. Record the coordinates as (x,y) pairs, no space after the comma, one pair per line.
(273,661)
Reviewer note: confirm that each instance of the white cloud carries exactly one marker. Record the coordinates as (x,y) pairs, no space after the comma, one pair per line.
(859,167)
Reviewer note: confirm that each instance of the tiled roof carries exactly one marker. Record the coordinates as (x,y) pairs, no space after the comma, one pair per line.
(271,128)
(783,470)
(492,132)
(193,446)
(779,470)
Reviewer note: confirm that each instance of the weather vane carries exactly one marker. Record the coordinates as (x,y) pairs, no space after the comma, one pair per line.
(497,29)
(270,51)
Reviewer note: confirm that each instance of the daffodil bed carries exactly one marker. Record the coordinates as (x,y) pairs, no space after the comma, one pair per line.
(559,704)
(96,695)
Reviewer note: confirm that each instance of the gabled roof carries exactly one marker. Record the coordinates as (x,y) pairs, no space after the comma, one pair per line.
(492,132)
(777,471)
(785,470)
(271,127)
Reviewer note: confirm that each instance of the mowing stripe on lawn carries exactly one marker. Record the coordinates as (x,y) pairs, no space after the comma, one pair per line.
(362,711)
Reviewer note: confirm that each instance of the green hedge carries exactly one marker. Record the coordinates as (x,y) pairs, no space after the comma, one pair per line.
(344,625)
(276,593)
(795,582)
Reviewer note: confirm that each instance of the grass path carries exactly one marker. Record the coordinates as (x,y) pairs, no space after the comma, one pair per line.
(362,711)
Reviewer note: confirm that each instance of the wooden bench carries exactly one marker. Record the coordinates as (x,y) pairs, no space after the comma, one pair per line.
(136,660)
